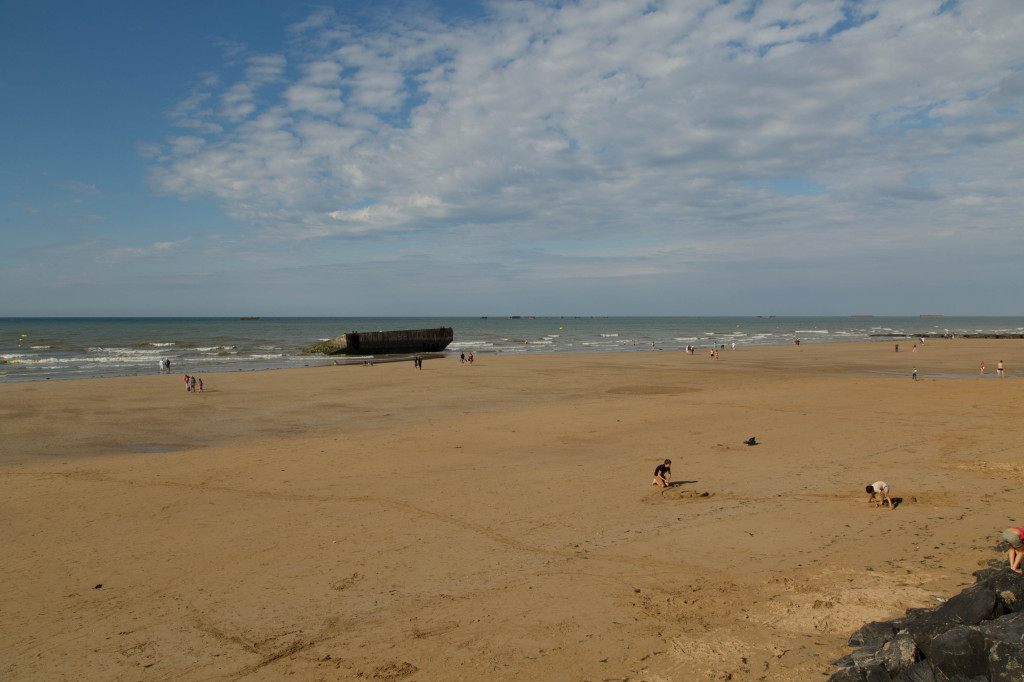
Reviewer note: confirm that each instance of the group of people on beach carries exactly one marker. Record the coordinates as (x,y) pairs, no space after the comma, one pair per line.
(463,358)
(713,351)
(165,366)
(1000,370)
(878,492)
(193,384)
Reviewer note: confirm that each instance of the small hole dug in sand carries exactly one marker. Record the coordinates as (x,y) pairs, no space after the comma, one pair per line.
(676,495)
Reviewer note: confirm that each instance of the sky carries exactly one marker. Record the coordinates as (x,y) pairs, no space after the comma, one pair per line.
(463,158)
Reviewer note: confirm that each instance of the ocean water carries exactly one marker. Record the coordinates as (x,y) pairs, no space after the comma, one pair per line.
(63,348)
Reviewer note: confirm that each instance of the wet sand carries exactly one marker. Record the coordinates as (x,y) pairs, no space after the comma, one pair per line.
(497,521)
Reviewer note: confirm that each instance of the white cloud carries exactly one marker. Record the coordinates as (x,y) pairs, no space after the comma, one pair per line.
(79,188)
(315,100)
(595,119)
(161,250)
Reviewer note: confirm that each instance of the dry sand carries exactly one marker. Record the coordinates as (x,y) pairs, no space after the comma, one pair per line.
(497,521)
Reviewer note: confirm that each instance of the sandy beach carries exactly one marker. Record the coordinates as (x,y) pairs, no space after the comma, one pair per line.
(497,521)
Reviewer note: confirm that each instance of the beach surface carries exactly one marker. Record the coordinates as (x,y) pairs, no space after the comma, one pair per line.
(497,521)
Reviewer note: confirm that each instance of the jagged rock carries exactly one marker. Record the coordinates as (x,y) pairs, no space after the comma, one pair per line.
(876,672)
(975,635)
(1004,640)
(975,604)
(873,634)
(848,674)
(860,658)
(900,654)
(919,672)
(1009,589)
(960,651)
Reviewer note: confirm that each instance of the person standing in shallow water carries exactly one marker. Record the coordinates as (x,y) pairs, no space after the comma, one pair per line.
(999,370)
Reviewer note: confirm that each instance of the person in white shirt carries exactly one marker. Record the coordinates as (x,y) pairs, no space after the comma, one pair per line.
(880,488)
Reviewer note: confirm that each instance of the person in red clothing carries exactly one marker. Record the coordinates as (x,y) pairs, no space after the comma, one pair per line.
(1013,538)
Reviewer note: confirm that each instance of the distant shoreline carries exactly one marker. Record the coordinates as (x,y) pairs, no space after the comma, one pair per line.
(41,349)
(700,352)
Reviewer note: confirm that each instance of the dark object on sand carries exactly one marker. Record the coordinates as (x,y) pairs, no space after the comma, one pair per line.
(376,343)
(751,441)
(976,634)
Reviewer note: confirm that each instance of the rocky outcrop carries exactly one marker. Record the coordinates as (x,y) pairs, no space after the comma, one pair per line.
(976,635)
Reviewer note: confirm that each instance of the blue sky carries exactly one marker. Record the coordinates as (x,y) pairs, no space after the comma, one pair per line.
(692,157)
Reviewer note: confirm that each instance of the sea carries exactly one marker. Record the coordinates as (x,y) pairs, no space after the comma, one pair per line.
(33,348)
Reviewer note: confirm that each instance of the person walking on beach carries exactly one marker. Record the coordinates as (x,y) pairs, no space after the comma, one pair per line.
(200,385)
(880,488)
(662,474)
(186,383)
(470,358)
(915,374)
(192,384)
(462,358)
(999,370)
(1013,537)
(983,369)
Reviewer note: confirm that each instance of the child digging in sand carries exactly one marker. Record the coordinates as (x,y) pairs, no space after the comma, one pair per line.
(880,488)
(662,474)
(1016,553)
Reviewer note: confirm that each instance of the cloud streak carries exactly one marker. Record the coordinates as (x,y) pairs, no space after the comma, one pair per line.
(689,125)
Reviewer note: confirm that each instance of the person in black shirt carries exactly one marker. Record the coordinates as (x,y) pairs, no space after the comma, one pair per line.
(662,474)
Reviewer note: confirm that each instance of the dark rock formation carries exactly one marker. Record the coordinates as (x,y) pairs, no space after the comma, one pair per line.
(385,342)
(975,635)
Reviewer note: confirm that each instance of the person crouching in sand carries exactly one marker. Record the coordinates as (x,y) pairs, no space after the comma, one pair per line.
(662,474)
(1013,538)
(880,488)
